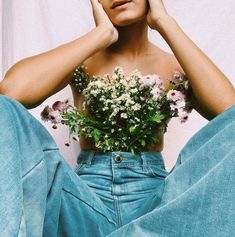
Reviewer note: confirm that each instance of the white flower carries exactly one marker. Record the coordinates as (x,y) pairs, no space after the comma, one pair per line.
(132,83)
(115,77)
(123,82)
(123,115)
(84,105)
(118,70)
(158,82)
(134,90)
(135,74)
(94,92)
(156,92)
(113,95)
(105,108)
(136,107)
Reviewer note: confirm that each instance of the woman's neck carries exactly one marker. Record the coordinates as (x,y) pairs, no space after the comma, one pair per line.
(132,41)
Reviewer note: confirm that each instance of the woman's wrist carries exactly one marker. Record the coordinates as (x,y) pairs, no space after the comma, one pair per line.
(105,36)
(163,23)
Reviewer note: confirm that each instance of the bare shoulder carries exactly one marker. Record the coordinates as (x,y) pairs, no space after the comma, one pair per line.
(168,62)
(155,60)
(95,64)
(173,62)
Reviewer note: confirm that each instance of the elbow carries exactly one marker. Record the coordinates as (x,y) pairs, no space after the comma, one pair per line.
(18,96)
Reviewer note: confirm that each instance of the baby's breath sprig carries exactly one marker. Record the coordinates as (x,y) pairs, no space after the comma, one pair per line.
(80,78)
(124,111)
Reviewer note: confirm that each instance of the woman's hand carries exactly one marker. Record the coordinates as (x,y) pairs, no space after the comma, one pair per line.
(102,20)
(157,11)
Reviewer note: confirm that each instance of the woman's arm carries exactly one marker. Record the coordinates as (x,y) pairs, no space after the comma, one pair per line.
(34,79)
(212,90)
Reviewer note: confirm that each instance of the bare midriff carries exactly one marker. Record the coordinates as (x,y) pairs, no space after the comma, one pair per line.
(88,143)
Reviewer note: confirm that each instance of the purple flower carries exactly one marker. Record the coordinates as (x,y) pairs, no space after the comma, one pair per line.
(45,113)
(55,116)
(49,114)
(61,105)
(76,138)
(183,116)
(174,95)
(177,105)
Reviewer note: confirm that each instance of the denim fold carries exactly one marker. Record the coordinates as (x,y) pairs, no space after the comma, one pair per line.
(114,193)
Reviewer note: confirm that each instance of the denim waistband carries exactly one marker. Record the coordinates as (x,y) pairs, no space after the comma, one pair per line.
(119,158)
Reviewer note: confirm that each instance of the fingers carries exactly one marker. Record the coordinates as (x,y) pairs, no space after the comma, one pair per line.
(96,7)
(157,6)
(95,4)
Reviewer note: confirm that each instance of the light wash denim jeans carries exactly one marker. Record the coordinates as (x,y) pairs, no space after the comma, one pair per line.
(114,194)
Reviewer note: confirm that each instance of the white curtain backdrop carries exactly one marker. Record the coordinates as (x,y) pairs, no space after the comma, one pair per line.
(33,26)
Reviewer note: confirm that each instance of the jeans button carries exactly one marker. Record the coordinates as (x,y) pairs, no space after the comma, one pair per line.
(118,159)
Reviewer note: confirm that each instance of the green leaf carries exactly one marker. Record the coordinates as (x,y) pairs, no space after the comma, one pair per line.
(96,135)
(132,151)
(143,143)
(157,118)
(132,129)
(155,139)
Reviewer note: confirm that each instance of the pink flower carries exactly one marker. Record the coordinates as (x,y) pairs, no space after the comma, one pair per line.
(174,95)
(54,116)
(76,138)
(158,81)
(45,113)
(49,114)
(178,74)
(183,116)
(177,105)
(60,105)
(150,81)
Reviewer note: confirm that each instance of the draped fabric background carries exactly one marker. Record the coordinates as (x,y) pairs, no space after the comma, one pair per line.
(33,26)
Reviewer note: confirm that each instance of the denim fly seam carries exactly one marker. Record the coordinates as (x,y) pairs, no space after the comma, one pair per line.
(126,174)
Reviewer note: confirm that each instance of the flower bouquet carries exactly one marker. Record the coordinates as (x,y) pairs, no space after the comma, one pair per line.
(124,111)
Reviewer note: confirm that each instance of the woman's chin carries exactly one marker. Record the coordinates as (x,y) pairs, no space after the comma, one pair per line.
(122,22)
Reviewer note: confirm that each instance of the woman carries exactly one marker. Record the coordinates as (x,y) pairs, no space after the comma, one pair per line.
(44,196)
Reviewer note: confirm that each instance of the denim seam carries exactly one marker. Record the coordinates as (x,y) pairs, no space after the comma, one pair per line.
(15,132)
(33,168)
(205,144)
(114,197)
(111,221)
(182,152)
(51,149)
(123,164)
(118,212)
(195,183)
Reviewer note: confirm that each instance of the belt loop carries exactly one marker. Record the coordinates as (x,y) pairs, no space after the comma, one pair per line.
(144,162)
(90,157)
